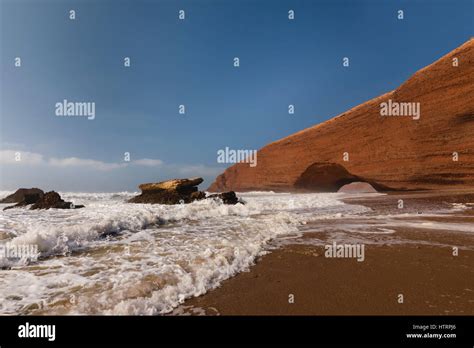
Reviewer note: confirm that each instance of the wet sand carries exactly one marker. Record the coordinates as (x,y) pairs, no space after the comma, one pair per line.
(424,270)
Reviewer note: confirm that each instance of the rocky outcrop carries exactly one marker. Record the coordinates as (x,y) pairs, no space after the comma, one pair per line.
(400,153)
(46,201)
(27,200)
(357,187)
(53,200)
(177,191)
(182,185)
(20,194)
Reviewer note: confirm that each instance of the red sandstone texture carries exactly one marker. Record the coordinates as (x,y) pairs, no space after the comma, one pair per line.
(390,152)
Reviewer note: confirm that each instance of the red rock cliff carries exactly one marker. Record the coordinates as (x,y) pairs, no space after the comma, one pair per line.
(390,152)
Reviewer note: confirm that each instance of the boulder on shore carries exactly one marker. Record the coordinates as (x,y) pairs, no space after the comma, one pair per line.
(20,195)
(48,200)
(357,187)
(177,191)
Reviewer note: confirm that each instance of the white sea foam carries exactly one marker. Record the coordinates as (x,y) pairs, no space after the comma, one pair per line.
(116,257)
(113,257)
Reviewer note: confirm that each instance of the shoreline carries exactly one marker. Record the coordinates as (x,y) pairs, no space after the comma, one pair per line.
(421,267)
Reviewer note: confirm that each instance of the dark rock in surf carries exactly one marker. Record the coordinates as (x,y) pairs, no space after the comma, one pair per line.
(162,197)
(227,197)
(27,200)
(198,195)
(45,201)
(20,194)
(53,200)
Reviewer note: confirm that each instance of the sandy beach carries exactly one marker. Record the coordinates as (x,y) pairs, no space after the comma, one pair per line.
(418,263)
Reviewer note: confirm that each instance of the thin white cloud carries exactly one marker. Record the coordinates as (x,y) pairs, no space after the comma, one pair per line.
(9,157)
(197,170)
(149,162)
(20,157)
(81,162)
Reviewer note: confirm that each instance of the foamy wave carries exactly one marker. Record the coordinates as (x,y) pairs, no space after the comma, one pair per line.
(59,231)
(157,256)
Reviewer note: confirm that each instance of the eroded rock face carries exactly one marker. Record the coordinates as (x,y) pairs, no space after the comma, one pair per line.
(177,191)
(20,194)
(395,152)
(170,185)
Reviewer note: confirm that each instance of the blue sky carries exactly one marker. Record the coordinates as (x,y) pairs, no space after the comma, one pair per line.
(190,62)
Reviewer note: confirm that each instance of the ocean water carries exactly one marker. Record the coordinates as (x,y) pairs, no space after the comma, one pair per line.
(114,257)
